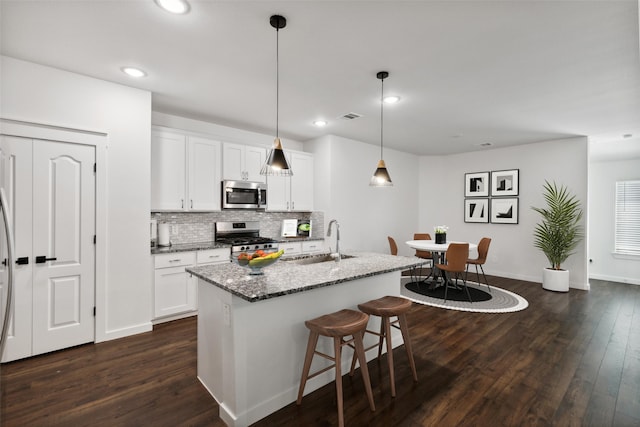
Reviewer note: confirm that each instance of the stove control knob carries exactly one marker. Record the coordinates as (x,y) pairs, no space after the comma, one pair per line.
(257,247)
(242,248)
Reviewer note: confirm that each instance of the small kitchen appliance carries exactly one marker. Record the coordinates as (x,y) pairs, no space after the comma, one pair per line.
(243,237)
(244,195)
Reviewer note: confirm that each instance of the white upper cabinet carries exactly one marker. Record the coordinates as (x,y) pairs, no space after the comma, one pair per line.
(292,193)
(168,171)
(204,174)
(185,172)
(242,162)
(302,182)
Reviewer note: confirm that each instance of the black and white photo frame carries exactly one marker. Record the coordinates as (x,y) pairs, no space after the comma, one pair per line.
(476,184)
(476,210)
(504,183)
(504,210)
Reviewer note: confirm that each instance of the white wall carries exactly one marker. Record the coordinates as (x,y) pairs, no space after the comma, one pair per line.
(511,253)
(39,94)
(367,215)
(602,191)
(221,133)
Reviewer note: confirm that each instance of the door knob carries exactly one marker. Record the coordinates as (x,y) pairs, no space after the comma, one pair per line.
(42,258)
(23,260)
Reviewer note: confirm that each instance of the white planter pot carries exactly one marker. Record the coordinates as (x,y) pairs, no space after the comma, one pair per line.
(555,280)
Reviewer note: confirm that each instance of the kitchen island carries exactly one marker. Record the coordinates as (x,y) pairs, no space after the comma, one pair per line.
(251,333)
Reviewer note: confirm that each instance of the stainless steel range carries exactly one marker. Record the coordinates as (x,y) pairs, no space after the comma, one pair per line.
(243,236)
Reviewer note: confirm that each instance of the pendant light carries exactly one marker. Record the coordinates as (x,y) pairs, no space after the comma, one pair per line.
(276,163)
(381,177)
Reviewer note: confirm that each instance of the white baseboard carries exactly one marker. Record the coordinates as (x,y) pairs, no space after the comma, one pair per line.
(617,279)
(125,332)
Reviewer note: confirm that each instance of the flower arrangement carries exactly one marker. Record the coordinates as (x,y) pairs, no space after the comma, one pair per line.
(441,229)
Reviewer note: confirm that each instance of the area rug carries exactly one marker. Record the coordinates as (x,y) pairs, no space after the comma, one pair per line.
(501,301)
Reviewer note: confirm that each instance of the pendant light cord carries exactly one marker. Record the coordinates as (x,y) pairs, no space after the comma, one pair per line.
(381,115)
(277,82)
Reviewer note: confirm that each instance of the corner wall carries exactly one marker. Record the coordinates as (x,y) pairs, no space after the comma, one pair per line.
(38,94)
(367,215)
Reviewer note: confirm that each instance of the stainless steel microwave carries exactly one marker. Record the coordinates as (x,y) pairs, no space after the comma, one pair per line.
(244,195)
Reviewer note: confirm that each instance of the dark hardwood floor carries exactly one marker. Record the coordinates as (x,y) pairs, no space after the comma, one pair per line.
(568,359)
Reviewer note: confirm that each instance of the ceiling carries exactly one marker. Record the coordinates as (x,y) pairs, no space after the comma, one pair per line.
(468,72)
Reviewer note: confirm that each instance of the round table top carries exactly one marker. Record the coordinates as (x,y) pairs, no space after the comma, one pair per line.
(432,246)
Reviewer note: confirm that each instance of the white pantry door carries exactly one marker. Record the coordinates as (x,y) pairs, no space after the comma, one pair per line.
(63,245)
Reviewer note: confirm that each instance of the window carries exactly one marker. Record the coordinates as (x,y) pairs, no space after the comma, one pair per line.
(627,217)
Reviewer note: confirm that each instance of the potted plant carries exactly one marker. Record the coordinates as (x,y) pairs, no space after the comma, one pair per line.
(558,234)
(441,233)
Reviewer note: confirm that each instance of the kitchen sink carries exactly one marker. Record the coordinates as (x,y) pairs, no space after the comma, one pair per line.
(315,259)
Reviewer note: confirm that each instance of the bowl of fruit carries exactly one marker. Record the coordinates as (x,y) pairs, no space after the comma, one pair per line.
(257,260)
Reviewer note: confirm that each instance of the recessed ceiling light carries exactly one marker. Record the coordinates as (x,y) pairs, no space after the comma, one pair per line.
(391,99)
(320,123)
(174,6)
(133,72)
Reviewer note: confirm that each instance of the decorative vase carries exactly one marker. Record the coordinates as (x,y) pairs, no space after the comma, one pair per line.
(441,238)
(555,280)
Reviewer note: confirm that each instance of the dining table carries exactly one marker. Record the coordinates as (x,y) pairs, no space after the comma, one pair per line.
(438,253)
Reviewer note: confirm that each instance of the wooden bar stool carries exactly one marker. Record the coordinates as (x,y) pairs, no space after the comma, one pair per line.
(387,307)
(337,325)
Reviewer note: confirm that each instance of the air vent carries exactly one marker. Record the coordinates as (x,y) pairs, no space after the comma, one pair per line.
(350,116)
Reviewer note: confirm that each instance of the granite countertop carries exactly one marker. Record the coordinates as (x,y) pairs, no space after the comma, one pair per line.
(287,277)
(187,247)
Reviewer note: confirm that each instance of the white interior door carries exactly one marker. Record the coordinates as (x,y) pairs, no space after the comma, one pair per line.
(63,245)
(17,179)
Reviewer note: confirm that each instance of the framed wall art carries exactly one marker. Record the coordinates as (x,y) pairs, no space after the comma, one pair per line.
(504,210)
(476,184)
(476,210)
(504,183)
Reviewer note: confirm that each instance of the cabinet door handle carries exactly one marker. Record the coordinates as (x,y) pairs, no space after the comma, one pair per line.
(191,203)
(42,259)
(287,205)
(181,203)
(293,205)
(214,256)
(175,260)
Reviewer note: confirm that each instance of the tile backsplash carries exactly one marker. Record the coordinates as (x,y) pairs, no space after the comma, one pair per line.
(191,227)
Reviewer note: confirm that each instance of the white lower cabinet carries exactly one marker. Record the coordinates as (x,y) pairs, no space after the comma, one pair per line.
(291,248)
(302,247)
(175,290)
(312,246)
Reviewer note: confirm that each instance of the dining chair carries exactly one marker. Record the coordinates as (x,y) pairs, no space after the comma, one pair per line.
(456,256)
(483,250)
(424,254)
(392,246)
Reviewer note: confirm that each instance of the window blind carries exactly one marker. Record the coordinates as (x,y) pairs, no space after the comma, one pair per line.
(627,239)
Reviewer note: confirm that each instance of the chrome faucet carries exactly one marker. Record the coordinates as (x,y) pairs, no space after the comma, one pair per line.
(337,254)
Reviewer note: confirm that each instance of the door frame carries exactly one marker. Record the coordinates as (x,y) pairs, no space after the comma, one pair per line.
(99,140)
